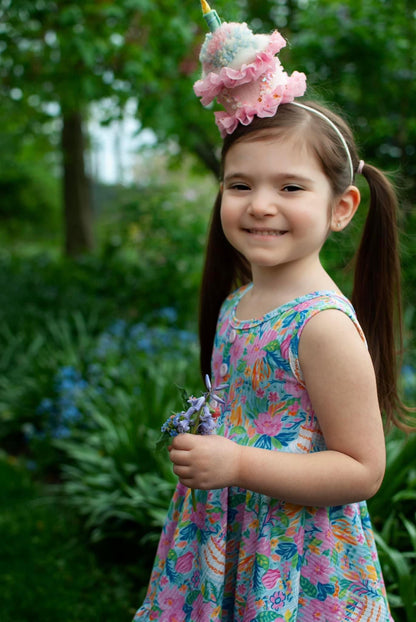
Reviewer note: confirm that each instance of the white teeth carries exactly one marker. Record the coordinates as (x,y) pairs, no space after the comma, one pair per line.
(266,232)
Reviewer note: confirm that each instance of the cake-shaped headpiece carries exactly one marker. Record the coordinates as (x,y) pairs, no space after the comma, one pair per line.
(240,69)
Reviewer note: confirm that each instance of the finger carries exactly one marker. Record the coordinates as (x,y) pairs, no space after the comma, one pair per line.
(183,473)
(179,457)
(183,441)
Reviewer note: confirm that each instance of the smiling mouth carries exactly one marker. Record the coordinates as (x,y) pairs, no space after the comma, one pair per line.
(266,232)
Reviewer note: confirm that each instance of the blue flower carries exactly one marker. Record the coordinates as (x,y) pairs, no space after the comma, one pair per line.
(198,418)
(167,313)
(46,406)
(118,328)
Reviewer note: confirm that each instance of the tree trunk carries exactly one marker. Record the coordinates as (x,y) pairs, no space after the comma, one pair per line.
(76,188)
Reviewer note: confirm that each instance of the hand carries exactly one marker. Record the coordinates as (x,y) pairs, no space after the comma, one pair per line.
(205,462)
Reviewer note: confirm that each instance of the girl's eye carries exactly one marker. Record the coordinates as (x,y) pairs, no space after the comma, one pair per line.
(292,188)
(240,186)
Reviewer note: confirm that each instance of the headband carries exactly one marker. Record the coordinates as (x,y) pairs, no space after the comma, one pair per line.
(338,132)
(241,70)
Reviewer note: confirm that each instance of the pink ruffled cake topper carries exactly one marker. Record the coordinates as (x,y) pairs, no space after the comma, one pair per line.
(240,69)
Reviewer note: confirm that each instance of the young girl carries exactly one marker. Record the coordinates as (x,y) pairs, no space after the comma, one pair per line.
(281,529)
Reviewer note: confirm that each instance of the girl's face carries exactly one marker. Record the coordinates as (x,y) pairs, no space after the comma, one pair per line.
(276,202)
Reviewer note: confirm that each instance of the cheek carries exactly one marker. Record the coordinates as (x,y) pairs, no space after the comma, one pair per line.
(311,219)
(228,218)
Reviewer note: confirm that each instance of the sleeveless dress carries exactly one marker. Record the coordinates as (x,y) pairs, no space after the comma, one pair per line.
(243,556)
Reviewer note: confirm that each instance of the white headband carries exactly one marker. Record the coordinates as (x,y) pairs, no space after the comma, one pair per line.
(334,127)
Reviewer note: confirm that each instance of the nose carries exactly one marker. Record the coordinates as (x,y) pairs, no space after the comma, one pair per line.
(262,203)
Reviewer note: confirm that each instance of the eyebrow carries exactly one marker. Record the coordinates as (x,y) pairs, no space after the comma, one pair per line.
(279,177)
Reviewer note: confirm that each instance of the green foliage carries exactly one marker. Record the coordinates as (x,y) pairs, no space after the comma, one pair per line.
(113,475)
(377,93)
(151,245)
(88,403)
(28,187)
(393,514)
(47,571)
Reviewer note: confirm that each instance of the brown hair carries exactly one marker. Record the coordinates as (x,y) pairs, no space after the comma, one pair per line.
(376,293)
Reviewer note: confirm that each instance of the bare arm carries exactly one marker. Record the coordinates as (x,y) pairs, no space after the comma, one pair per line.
(340,381)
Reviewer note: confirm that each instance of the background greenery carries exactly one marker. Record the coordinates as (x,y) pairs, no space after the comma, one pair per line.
(96,335)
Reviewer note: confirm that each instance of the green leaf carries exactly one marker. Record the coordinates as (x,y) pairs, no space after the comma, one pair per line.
(262,561)
(308,588)
(192,596)
(273,346)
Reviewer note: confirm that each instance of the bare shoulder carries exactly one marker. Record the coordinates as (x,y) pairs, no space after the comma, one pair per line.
(330,328)
(332,345)
(340,380)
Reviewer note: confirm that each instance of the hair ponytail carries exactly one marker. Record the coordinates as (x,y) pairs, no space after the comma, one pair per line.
(377,294)
(224,269)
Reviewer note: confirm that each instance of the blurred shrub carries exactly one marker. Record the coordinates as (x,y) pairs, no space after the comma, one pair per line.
(113,475)
(28,366)
(28,198)
(96,417)
(394,516)
(43,548)
(29,185)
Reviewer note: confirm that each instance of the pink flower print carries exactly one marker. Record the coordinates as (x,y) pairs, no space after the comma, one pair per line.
(236,351)
(271,577)
(277,600)
(349,510)
(223,328)
(268,424)
(215,517)
(184,562)
(333,608)
(329,539)
(252,608)
(273,397)
(171,600)
(172,617)
(254,351)
(329,609)
(318,569)
(241,588)
(198,607)
(284,346)
(164,545)
(260,393)
(279,374)
(294,389)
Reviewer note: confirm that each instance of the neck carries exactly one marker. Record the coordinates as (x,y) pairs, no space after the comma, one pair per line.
(288,282)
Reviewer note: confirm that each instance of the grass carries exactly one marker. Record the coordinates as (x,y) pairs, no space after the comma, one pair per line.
(48,571)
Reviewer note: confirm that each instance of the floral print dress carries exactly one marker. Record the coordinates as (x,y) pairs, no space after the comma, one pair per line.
(243,556)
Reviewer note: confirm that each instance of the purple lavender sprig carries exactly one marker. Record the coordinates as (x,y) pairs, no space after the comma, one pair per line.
(199,418)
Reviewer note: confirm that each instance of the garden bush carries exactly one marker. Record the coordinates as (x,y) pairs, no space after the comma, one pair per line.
(394,517)
(112,473)
(48,571)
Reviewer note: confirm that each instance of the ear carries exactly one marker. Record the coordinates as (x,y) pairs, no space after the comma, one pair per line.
(344,209)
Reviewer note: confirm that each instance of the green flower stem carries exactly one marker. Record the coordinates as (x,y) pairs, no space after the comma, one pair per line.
(194,430)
